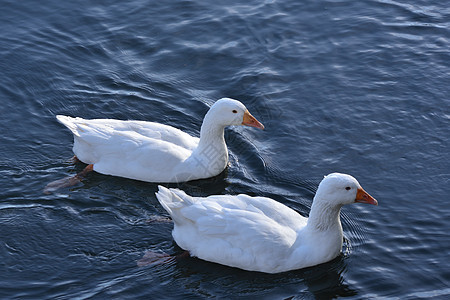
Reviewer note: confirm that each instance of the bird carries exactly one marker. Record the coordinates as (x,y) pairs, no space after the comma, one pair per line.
(259,233)
(154,152)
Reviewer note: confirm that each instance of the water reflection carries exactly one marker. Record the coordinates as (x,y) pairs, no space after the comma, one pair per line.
(201,187)
(324,281)
(204,187)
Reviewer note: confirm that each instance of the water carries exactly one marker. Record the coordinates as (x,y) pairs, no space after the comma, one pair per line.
(359,87)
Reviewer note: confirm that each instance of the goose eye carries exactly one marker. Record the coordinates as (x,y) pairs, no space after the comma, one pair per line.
(234,111)
(348,188)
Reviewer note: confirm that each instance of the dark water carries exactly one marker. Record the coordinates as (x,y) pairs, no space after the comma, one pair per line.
(359,87)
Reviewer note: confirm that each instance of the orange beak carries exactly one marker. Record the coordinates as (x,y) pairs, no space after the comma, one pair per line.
(363,197)
(251,121)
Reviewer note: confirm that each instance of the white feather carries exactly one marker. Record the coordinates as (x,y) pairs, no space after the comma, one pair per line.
(155,152)
(258,233)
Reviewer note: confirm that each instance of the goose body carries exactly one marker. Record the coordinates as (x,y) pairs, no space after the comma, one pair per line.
(261,234)
(155,152)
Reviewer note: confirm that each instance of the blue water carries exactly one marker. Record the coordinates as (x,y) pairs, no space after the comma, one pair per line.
(359,87)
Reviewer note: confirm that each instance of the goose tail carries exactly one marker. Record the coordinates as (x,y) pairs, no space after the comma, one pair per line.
(70,123)
(173,199)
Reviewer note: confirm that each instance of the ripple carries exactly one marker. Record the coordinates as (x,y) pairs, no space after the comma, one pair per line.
(355,87)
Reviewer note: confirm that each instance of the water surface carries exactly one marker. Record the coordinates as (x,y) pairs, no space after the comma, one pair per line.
(347,86)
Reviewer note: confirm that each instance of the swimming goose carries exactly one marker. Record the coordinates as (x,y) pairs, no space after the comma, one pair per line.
(261,234)
(156,152)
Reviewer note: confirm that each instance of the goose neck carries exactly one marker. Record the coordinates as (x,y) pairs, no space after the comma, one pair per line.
(210,131)
(324,216)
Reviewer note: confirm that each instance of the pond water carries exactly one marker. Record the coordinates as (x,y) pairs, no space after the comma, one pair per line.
(359,87)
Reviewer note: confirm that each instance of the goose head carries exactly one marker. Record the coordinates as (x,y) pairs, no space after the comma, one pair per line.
(338,189)
(227,111)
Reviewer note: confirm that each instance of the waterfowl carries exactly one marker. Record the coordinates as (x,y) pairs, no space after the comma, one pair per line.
(155,152)
(261,234)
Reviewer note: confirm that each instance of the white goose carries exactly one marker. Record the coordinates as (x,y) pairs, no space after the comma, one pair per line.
(261,234)
(155,152)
